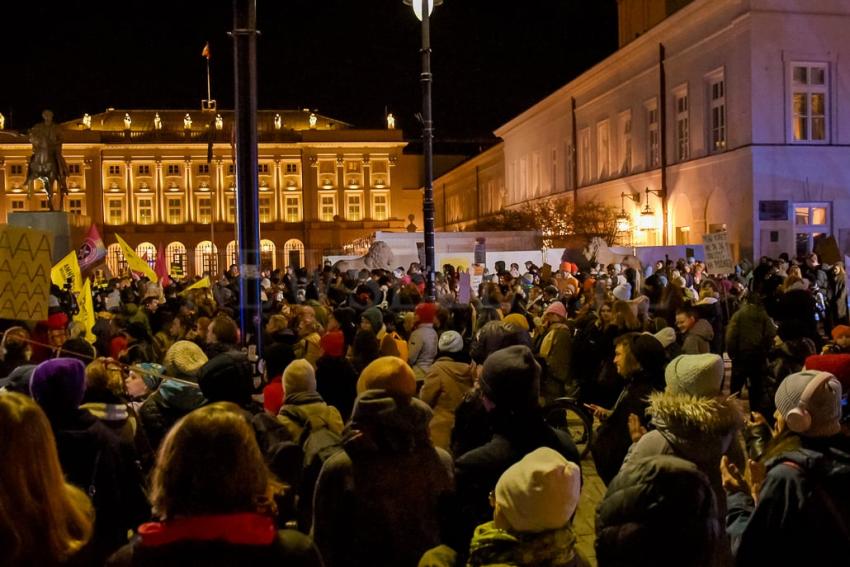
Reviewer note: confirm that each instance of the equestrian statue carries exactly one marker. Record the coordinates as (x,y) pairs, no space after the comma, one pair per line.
(46,163)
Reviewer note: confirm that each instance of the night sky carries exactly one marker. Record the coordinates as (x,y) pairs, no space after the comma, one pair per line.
(347,58)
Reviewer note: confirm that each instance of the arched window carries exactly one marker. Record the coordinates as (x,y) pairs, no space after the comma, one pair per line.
(231,254)
(293,253)
(268,260)
(175,256)
(206,258)
(115,260)
(147,252)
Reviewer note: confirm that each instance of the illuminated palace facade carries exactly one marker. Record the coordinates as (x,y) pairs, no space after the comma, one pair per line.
(713,115)
(149,176)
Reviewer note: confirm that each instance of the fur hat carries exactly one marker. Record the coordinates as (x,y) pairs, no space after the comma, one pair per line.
(695,374)
(518,320)
(333,344)
(299,376)
(184,359)
(388,373)
(58,385)
(511,377)
(450,341)
(540,492)
(557,308)
(666,336)
(426,312)
(840,331)
(824,405)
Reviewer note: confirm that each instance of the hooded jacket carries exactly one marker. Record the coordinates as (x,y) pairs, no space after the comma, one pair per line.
(171,401)
(378,502)
(552,548)
(303,407)
(445,386)
(699,430)
(698,339)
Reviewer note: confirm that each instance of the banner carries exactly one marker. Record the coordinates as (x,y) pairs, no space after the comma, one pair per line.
(204,282)
(718,256)
(67,273)
(159,268)
(85,316)
(92,250)
(25,261)
(135,263)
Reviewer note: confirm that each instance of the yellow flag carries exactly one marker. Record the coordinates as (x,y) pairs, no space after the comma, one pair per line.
(86,314)
(67,268)
(200,284)
(134,262)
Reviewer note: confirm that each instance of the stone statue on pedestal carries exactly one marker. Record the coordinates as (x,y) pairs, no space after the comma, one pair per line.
(46,163)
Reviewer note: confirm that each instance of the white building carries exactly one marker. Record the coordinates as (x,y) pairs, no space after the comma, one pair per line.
(735,114)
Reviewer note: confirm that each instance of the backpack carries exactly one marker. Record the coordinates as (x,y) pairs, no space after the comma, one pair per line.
(318,444)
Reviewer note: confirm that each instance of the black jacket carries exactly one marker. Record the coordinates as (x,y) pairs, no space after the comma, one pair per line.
(336,381)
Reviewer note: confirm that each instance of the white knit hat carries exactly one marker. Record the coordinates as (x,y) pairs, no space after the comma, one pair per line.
(824,404)
(540,492)
(623,292)
(299,376)
(184,359)
(695,374)
(450,341)
(666,336)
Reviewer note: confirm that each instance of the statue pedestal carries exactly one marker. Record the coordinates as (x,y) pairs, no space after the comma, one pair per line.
(65,229)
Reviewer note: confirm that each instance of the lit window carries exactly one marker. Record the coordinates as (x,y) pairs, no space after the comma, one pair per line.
(144,214)
(292,204)
(291,168)
(231,208)
(352,166)
(204,169)
(683,146)
(717,112)
(175,210)
(354,209)
(144,170)
(173,169)
(809,91)
(653,156)
(327,207)
(73,169)
(75,206)
(18,205)
(204,210)
(43,204)
(206,258)
(115,211)
(16,169)
(175,257)
(380,206)
(264,168)
(114,170)
(230,169)
(265,209)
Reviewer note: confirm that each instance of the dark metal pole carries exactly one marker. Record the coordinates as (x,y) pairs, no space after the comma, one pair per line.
(428,150)
(247,182)
(662,132)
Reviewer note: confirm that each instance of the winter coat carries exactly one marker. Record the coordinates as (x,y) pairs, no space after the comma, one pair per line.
(699,430)
(336,381)
(171,401)
(422,348)
(796,520)
(378,502)
(750,332)
(477,471)
(612,439)
(556,348)
(698,339)
(711,310)
(495,547)
(445,386)
(218,540)
(121,418)
(786,359)
(303,407)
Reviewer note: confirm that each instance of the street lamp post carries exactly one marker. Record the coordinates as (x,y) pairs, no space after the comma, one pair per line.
(422,9)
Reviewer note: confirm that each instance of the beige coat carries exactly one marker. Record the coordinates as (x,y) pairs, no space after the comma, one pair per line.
(445,385)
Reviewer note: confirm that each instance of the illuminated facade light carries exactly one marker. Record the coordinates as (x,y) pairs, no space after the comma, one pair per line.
(390,121)
(87,121)
(157,122)
(127,121)
(187,122)
(219,122)
(278,122)
(2,121)
(313,120)
(417,6)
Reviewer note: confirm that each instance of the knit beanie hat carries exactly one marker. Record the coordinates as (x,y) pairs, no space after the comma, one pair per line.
(836,364)
(557,308)
(540,492)
(375,318)
(57,321)
(58,385)
(695,374)
(227,377)
(426,312)
(648,351)
(184,359)
(151,373)
(511,378)
(623,292)
(666,336)
(388,373)
(450,341)
(518,320)
(333,344)
(299,376)
(824,405)
(840,331)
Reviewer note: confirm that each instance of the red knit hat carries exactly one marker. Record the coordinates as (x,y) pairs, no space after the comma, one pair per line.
(333,344)
(840,331)
(426,312)
(836,364)
(57,321)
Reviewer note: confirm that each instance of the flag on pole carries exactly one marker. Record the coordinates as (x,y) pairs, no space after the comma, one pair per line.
(135,263)
(160,268)
(67,271)
(92,250)
(202,283)
(206,51)
(85,316)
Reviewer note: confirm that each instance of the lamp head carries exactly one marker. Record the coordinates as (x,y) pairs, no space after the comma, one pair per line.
(417,6)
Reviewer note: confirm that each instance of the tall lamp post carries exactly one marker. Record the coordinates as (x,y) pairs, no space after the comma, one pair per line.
(422,9)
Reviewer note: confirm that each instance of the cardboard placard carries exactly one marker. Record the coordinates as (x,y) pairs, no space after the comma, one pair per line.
(718,255)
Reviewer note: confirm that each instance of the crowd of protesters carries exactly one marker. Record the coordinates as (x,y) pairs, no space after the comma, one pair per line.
(376,428)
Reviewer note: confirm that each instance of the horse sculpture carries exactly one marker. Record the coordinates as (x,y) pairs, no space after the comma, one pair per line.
(46,163)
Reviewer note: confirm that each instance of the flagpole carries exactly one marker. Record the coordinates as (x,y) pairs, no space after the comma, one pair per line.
(209,90)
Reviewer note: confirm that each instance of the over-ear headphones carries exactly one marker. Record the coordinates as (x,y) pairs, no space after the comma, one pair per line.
(799,420)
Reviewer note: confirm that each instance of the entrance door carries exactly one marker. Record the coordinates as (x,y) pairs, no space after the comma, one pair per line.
(812,221)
